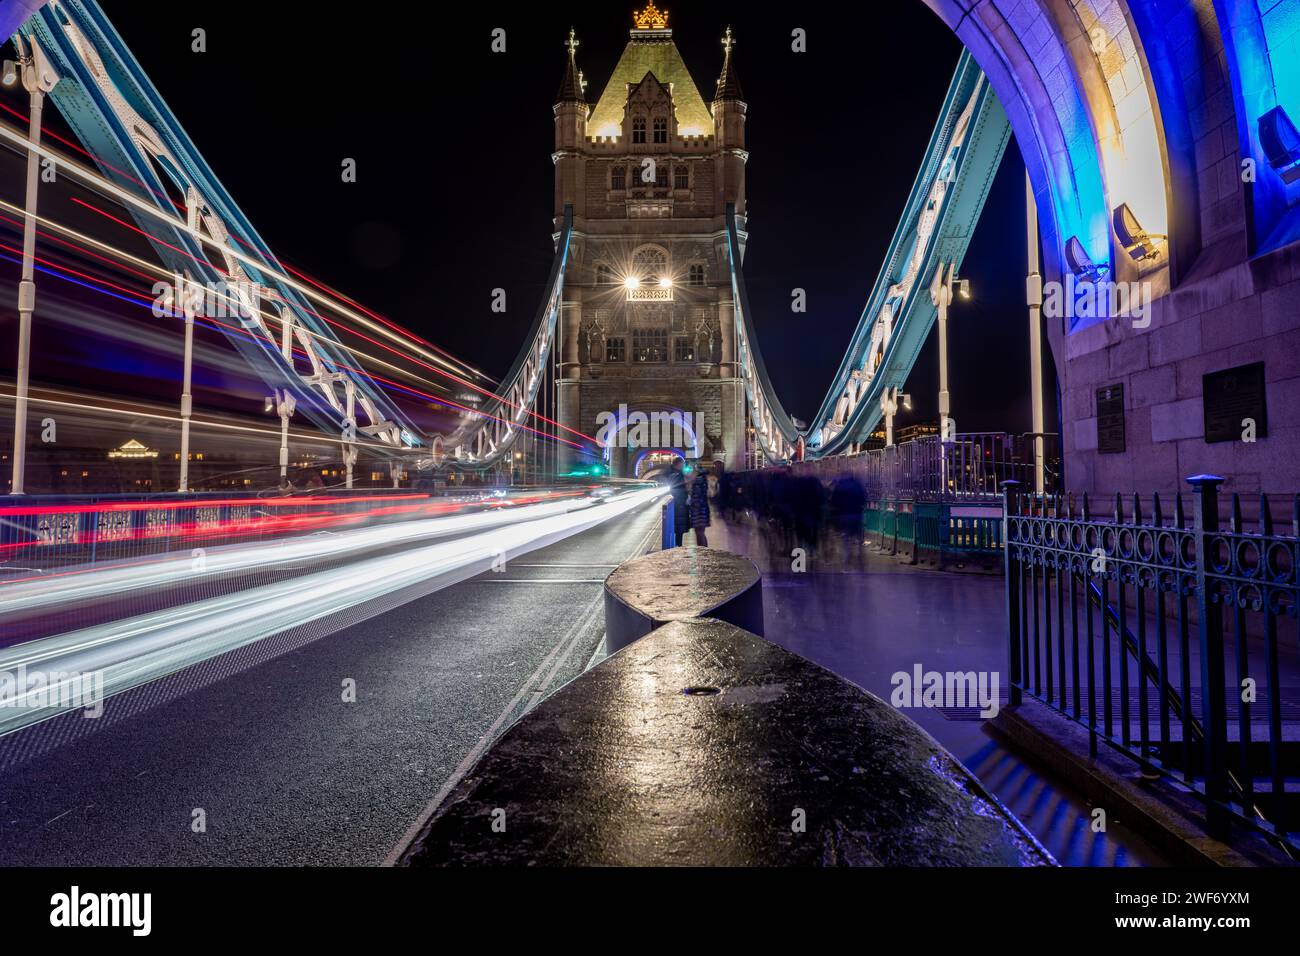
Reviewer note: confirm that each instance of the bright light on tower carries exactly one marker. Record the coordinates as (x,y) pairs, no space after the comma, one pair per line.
(665,283)
(632,282)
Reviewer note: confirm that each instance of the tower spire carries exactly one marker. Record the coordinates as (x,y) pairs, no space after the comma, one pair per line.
(728,84)
(571,87)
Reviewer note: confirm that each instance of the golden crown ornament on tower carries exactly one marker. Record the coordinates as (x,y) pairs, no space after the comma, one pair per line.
(651,18)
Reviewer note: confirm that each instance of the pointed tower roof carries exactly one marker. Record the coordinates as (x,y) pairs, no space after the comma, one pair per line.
(728,84)
(650,49)
(571,87)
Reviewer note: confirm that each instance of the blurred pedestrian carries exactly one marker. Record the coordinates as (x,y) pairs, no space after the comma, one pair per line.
(676,482)
(700,506)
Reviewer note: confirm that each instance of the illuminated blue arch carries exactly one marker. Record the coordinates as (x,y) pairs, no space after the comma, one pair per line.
(1020,50)
(1262,45)
(620,421)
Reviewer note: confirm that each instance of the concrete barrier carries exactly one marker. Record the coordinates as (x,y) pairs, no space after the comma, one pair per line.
(681,584)
(703,744)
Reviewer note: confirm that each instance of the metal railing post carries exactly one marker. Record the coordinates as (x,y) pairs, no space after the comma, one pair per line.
(1209,615)
(667,536)
(1012,587)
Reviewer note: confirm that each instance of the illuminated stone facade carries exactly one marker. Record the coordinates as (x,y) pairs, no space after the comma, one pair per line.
(647,317)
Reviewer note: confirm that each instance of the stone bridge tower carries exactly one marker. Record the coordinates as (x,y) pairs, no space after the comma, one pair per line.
(647,321)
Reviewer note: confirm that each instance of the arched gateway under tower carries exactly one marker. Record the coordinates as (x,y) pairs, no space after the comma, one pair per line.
(647,318)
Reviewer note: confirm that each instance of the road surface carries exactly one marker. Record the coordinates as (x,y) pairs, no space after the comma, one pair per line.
(272,766)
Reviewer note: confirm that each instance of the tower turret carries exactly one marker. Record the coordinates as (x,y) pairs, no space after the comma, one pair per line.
(570,132)
(729,127)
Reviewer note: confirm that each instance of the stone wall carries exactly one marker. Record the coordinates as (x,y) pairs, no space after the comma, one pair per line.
(1247,312)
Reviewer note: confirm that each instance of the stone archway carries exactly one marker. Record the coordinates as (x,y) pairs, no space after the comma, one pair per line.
(1074,79)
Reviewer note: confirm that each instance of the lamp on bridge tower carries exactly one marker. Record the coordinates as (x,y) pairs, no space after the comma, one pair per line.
(941,291)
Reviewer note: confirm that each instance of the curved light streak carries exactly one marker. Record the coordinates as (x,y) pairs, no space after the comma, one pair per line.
(144,648)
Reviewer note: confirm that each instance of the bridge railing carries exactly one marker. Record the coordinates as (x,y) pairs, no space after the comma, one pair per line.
(47,533)
(935,501)
(1168,636)
(971,466)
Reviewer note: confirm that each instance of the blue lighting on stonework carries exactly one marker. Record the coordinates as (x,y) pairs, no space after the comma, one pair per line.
(1081,201)
(1262,49)
(1281,20)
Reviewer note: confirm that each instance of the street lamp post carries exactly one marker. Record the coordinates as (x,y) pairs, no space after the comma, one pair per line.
(182,285)
(284,404)
(350,433)
(187,401)
(39,78)
(1034,295)
(941,290)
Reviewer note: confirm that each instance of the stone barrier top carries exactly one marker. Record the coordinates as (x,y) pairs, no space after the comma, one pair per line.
(703,744)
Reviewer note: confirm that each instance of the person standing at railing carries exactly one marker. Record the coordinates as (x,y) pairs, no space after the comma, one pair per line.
(700,506)
(676,482)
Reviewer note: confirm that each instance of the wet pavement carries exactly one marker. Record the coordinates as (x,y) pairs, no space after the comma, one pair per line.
(867,617)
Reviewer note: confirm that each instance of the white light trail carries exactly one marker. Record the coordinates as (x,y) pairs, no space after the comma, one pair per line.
(73,585)
(133,651)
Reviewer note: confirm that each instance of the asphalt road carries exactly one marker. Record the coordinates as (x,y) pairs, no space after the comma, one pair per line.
(270,765)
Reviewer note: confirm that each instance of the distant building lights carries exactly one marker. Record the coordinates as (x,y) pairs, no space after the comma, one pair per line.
(133,449)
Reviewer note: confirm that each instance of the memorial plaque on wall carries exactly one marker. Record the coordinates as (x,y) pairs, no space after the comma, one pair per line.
(1231,397)
(1110,420)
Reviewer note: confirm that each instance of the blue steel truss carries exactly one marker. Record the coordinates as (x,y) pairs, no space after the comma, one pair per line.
(934,231)
(122,121)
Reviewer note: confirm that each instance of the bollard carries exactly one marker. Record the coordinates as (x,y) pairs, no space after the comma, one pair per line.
(680,584)
(667,537)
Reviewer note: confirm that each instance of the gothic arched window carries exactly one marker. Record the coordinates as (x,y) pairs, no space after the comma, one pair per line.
(650,263)
(661,130)
(638,129)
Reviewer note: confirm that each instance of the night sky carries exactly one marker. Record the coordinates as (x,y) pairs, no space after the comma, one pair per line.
(455,182)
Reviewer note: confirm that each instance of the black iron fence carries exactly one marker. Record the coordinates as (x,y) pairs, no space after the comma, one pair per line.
(1170,635)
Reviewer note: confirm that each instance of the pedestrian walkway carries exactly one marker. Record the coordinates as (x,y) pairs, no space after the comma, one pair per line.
(867,617)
